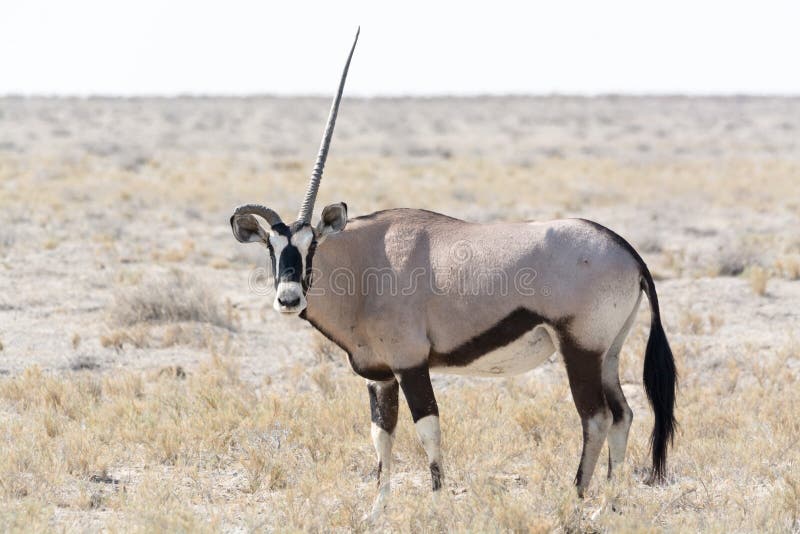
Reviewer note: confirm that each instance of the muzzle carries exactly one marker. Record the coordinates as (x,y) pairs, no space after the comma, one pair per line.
(289,298)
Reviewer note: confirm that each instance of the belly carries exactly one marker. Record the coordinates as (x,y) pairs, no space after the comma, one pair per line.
(523,354)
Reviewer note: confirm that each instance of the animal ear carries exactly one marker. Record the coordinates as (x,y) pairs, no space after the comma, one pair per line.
(247,230)
(334,219)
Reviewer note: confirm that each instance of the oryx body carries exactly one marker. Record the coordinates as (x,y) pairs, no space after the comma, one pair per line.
(423,288)
(406,292)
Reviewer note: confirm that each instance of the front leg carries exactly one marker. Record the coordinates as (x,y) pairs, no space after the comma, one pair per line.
(417,388)
(383,400)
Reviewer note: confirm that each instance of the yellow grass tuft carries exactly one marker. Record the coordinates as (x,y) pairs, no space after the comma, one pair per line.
(219,263)
(758,278)
(177,254)
(788,265)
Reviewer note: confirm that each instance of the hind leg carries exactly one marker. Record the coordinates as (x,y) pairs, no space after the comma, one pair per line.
(620,411)
(615,398)
(584,369)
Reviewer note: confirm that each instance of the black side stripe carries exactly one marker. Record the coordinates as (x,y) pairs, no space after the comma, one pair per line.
(507,330)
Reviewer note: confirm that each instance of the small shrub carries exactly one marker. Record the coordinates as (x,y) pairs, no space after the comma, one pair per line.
(173,297)
(83,363)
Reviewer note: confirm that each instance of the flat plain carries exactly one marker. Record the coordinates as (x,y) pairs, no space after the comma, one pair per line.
(147,384)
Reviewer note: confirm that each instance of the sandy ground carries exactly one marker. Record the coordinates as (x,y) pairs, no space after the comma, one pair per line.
(101,197)
(93,189)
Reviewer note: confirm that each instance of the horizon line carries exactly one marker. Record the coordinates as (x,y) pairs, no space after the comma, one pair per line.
(392,96)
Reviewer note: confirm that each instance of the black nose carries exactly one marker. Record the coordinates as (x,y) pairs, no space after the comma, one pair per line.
(289,303)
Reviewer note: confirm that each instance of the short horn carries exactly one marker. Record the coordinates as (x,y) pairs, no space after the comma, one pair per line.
(270,216)
(316,175)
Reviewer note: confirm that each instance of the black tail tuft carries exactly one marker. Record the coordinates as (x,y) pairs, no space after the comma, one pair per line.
(660,380)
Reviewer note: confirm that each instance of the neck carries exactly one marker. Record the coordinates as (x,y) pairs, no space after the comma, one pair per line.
(331,297)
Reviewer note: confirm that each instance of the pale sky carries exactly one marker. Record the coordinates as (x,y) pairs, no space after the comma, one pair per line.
(84,47)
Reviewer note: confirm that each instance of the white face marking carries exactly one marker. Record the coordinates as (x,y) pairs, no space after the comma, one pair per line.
(278,243)
(302,239)
(289,297)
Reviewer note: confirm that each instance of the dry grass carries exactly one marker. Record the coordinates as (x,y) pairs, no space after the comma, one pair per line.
(758,278)
(696,323)
(167,451)
(172,297)
(173,308)
(788,266)
(274,434)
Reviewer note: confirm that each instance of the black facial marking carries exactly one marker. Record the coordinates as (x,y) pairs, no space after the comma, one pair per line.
(281,229)
(290,264)
(272,262)
(307,279)
(383,404)
(417,388)
(509,329)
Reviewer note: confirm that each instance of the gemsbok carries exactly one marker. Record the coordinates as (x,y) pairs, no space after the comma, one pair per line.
(406,291)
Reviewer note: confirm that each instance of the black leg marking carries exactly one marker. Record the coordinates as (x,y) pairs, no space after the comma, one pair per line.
(616,401)
(417,388)
(383,404)
(585,381)
(436,476)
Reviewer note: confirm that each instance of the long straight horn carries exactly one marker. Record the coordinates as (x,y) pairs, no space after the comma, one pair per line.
(316,175)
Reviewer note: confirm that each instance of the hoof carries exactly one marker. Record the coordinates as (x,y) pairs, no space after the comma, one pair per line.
(373,516)
(654,480)
(378,508)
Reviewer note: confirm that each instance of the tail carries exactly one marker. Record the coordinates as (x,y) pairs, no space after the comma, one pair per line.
(660,379)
